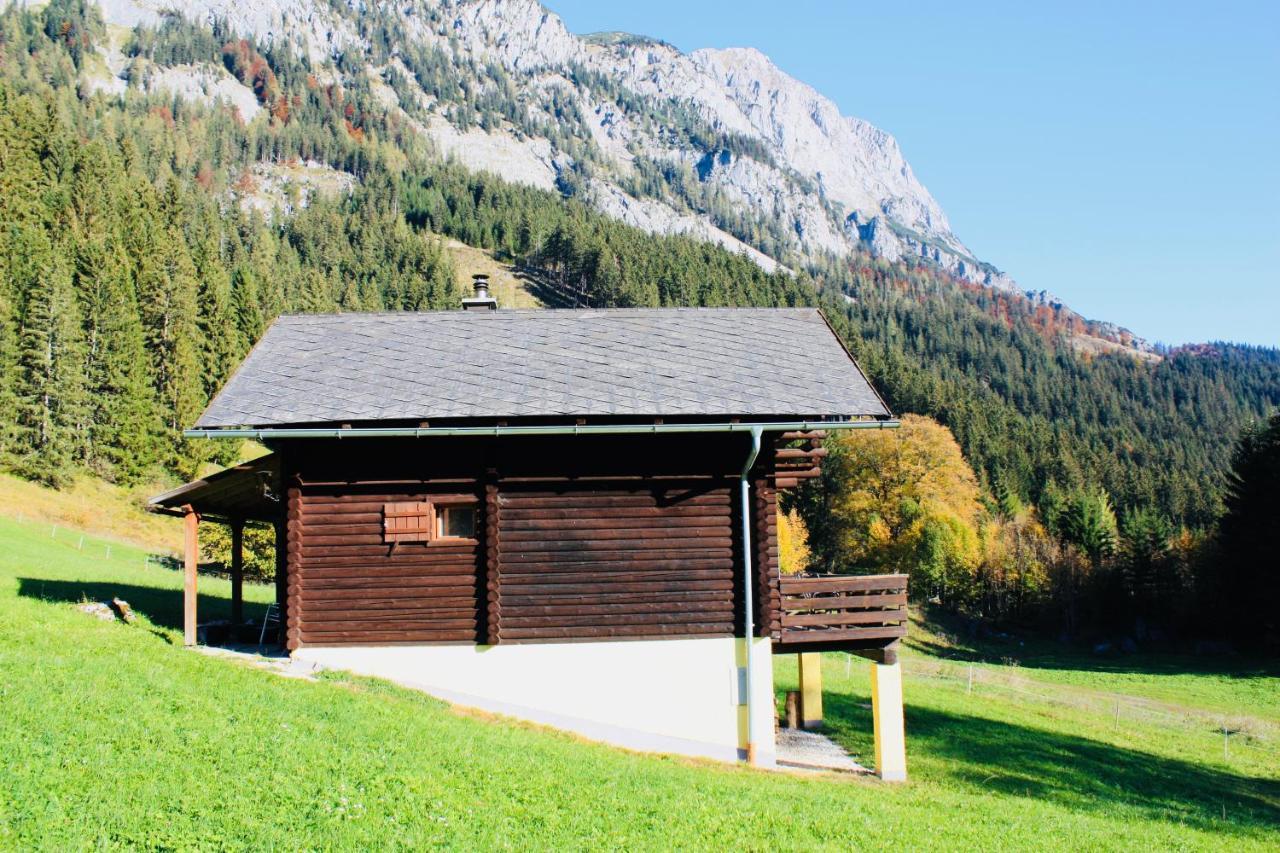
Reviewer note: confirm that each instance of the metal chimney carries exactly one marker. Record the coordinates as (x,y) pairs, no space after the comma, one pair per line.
(482,301)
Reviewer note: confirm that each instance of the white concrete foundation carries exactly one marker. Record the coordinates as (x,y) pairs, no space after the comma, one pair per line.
(679,696)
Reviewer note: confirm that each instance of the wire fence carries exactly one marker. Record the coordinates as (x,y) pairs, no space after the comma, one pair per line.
(1259,738)
(90,545)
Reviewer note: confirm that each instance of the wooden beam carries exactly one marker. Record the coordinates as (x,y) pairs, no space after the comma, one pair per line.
(191,557)
(237,573)
(282,571)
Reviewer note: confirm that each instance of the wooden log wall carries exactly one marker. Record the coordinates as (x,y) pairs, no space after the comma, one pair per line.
(765,541)
(798,457)
(347,585)
(576,539)
(615,560)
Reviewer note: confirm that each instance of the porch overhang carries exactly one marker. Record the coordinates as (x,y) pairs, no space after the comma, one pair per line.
(245,492)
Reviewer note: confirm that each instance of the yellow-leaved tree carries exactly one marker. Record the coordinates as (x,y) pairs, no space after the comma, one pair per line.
(793,543)
(901,500)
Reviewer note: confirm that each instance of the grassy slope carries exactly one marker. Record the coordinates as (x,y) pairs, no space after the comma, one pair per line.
(114,734)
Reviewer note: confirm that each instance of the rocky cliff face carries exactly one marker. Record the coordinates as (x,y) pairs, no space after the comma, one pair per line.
(717,143)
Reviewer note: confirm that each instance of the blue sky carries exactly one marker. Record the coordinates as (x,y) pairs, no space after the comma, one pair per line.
(1123,155)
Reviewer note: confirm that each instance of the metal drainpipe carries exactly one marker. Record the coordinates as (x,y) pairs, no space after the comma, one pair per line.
(748,603)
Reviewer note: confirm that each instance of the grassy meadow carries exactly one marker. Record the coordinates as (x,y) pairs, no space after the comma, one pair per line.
(114,735)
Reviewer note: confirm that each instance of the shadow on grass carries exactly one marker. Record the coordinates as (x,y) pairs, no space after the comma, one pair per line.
(162,607)
(1078,773)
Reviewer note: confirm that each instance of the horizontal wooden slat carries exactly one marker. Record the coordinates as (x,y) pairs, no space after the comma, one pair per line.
(387,569)
(520,620)
(587,502)
(833,602)
(649,586)
(510,556)
(378,590)
(612,608)
(845,617)
(621,574)
(554,597)
(511,516)
(653,542)
(389,635)
(311,552)
(585,526)
(516,569)
(452,602)
(436,616)
(599,632)
(841,583)
(832,635)
(606,538)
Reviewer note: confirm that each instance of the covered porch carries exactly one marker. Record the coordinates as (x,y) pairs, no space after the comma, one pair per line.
(238,496)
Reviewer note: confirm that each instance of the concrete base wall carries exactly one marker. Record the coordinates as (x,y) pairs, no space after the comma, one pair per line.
(678,696)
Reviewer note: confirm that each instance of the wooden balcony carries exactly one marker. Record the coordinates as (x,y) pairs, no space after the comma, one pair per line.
(856,613)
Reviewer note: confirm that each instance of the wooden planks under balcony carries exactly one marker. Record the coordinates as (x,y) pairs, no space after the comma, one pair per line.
(841,612)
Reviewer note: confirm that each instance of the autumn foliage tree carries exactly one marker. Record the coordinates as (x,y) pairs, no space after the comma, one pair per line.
(901,500)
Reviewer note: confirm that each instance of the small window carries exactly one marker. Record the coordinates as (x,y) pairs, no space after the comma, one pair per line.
(443,518)
(456,522)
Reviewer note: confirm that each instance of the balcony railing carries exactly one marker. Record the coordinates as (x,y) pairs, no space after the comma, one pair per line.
(834,611)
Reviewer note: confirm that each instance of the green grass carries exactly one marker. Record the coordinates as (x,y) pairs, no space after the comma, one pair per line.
(113,735)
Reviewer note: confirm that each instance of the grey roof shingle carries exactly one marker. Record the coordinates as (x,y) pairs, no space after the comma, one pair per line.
(327,368)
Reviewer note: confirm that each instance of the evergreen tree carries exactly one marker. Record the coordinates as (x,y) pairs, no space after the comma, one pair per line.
(125,430)
(1247,577)
(51,398)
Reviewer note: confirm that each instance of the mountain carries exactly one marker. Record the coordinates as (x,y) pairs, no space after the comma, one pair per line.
(720,144)
(169,187)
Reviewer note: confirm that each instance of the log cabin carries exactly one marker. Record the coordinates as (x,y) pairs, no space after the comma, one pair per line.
(567,516)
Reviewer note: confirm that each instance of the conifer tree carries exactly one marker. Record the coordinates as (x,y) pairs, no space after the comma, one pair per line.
(125,429)
(51,394)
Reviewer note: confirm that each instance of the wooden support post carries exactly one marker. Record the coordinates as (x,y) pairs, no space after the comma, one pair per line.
(890,731)
(237,574)
(191,557)
(810,690)
(282,575)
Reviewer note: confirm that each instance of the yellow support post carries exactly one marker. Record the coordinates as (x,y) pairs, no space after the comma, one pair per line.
(810,690)
(890,730)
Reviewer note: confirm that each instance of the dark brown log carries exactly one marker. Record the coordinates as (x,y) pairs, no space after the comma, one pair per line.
(514,569)
(636,631)
(613,608)
(578,517)
(824,635)
(594,589)
(605,579)
(845,617)
(654,540)
(794,585)
(516,621)
(789,453)
(833,602)
(442,618)
(510,557)
(323,605)
(421,635)
(553,597)
(517,539)
(595,526)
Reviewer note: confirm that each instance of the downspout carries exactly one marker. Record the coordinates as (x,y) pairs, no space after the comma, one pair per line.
(748,581)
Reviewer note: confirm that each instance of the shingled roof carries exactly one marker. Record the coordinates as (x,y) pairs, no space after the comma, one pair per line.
(645,362)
